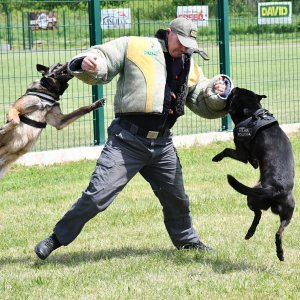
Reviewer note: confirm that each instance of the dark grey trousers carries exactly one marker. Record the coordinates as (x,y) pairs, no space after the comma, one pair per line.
(123,156)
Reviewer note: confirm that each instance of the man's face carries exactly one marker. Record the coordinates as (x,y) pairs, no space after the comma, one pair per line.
(176,49)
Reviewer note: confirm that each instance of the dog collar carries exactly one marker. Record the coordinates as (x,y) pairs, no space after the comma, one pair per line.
(246,130)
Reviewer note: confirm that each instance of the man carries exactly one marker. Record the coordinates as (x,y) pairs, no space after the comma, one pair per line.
(151,92)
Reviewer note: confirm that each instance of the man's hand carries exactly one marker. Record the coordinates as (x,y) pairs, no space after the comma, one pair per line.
(219,86)
(89,64)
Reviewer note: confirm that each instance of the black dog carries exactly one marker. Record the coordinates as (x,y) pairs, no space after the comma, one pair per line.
(260,141)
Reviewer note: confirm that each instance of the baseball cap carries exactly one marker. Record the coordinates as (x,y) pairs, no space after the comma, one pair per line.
(186,32)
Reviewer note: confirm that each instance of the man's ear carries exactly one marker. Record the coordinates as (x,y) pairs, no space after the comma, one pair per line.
(42,69)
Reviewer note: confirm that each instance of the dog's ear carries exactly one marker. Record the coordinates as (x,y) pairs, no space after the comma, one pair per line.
(42,69)
(260,97)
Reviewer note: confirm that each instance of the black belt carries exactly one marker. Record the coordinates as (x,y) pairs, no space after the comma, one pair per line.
(136,130)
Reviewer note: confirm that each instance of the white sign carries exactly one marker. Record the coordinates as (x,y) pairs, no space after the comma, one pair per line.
(115,18)
(198,14)
(44,20)
(274,13)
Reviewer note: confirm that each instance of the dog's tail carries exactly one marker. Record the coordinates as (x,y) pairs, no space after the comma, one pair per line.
(258,192)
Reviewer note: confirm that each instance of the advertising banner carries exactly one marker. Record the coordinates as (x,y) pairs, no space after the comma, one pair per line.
(43,20)
(115,18)
(274,13)
(198,14)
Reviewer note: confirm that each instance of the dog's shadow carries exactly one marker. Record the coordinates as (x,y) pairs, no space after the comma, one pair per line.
(221,265)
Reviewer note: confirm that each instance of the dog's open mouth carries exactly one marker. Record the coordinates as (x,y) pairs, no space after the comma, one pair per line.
(64,72)
(59,71)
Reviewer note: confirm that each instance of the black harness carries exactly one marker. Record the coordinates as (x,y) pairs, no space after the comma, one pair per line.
(246,130)
(47,100)
(32,123)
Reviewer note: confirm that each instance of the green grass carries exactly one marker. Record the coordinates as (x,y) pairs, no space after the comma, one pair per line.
(125,252)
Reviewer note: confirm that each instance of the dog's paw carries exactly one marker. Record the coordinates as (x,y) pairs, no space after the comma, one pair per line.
(98,103)
(217,158)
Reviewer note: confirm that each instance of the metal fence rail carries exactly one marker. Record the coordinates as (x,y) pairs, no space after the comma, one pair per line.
(264,58)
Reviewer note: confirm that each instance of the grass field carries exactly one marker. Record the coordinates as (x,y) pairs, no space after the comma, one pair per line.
(125,252)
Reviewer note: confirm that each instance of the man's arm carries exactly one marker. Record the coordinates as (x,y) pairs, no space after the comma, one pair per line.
(207,97)
(101,63)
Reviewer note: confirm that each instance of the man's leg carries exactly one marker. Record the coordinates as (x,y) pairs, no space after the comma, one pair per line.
(165,176)
(121,158)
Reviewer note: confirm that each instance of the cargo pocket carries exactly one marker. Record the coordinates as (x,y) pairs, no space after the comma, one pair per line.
(101,175)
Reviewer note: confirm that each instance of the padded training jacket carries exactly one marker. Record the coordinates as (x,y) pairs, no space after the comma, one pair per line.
(141,66)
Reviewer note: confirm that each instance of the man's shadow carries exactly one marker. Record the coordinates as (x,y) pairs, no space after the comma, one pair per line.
(218,263)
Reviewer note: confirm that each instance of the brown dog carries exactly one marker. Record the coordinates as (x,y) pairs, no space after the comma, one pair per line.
(36,108)
(260,141)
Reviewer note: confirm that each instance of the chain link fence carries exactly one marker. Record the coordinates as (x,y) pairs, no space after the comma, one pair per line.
(263,57)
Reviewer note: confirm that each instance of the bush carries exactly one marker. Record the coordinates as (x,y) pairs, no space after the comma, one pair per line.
(254,29)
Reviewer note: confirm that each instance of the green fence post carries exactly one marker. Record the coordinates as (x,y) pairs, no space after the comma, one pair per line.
(95,39)
(64,26)
(258,27)
(30,33)
(8,24)
(224,49)
(23,31)
(9,29)
(139,23)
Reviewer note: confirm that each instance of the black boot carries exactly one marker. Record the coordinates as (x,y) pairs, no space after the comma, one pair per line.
(196,245)
(46,246)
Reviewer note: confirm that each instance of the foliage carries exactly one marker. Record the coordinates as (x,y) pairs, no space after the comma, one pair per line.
(11,5)
(258,29)
(236,7)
